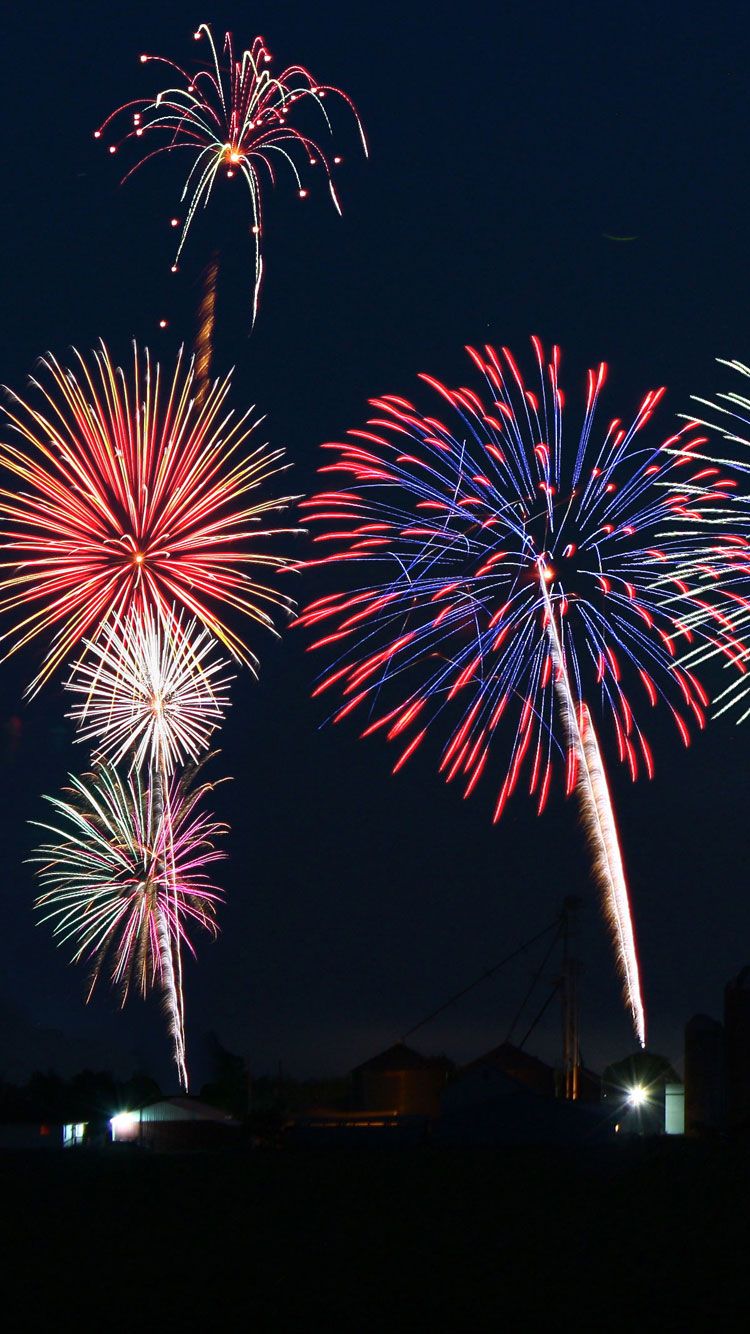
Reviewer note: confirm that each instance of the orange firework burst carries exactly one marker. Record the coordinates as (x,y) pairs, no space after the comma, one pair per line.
(134,496)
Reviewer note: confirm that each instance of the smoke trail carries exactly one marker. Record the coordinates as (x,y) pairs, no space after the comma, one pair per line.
(204,337)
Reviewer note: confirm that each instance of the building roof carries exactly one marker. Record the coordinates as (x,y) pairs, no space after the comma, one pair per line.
(184,1109)
(400,1057)
(518,1064)
(703,1023)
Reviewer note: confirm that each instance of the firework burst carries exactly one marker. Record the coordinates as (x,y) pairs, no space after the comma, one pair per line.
(132,497)
(234,118)
(124,878)
(516,579)
(152,690)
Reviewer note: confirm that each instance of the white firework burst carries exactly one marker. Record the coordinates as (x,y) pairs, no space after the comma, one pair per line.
(151,689)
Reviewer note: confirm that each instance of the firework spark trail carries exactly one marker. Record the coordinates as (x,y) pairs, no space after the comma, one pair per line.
(451,520)
(161,758)
(599,822)
(233,118)
(123,877)
(172,999)
(151,691)
(170,948)
(132,496)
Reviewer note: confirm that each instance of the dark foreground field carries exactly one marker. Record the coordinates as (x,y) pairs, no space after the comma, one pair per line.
(648,1234)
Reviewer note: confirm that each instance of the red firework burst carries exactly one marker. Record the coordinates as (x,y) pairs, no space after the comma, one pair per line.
(132,495)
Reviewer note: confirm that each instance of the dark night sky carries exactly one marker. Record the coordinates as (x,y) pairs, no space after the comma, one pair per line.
(504,142)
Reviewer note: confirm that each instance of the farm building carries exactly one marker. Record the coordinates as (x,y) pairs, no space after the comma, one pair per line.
(401,1080)
(175,1124)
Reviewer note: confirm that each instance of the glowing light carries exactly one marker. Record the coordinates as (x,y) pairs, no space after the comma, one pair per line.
(637,1096)
(123,1122)
(236,106)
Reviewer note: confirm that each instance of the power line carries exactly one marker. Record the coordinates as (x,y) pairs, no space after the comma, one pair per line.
(489,972)
(532,985)
(530,1030)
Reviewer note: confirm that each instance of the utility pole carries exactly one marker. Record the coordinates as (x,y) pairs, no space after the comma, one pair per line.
(571,968)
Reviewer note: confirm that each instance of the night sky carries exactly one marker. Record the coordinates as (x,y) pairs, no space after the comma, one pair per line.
(504,144)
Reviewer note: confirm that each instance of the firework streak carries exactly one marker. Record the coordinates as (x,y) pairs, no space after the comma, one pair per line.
(513,581)
(599,819)
(234,118)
